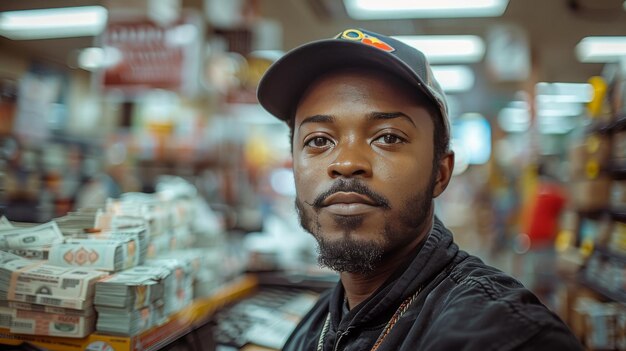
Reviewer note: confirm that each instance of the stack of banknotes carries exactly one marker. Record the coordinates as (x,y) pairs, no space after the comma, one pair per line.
(112,255)
(32,242)
(178,286)
(41,299)
(131,301)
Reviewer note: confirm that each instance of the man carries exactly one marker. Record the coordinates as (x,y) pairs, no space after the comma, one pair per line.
(370,143)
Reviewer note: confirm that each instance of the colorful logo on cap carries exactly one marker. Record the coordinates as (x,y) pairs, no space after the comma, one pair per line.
(357,35)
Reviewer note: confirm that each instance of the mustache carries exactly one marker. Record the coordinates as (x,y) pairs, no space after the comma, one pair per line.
(350,186)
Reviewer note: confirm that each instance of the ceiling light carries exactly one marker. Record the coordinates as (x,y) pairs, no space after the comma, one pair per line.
(53,23)
(447,48)
(391,9)
(601,49)
(473,133)
(270,55)
(454,79)
(93,59)
(514,118)
(563,92)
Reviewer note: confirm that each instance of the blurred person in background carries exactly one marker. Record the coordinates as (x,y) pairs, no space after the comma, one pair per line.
(541,224)
(370,144)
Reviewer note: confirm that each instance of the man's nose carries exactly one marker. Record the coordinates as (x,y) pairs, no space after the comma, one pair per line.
(351,161)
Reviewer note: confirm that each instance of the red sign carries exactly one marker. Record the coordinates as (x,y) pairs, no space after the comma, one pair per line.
(149,56)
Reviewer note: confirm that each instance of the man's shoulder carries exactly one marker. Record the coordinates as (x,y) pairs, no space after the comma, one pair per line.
(473,279)
(497,309)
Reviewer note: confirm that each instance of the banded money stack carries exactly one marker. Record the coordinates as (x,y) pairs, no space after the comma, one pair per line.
(131,301)
(42,299)
(119,270)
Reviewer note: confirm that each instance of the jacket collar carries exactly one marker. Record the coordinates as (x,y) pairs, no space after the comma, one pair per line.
(436,253)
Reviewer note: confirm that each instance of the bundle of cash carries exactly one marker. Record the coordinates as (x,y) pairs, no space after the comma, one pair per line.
(44,284)
(111,255)
(131,289)
(147,206)
(159,245)
(178,286)
(42,323)
(138,234)
(32,253)
(79,222)
(89,311)
(113,320)
(10,263)
(26,237)
(5,223)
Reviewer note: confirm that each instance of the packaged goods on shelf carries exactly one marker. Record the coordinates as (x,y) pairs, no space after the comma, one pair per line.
(587,158)
(618,195)
(591,195)
(606,273)
(600,325)
(617,240)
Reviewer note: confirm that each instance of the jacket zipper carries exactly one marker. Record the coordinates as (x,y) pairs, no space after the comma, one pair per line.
(341,335)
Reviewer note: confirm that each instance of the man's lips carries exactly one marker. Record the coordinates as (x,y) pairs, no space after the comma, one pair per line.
(349,204)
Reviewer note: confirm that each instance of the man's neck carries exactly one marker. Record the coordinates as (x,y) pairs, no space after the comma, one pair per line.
(358,287)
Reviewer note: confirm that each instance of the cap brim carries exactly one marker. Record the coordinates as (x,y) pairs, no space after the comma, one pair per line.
(286,80)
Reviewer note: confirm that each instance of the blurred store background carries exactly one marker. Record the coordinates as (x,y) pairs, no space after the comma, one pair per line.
(147,109)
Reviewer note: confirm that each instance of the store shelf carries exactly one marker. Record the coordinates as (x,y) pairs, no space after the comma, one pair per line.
(618,171)
(156,338)
(595,214)
(602,290)
(599,128)
(606,252)
(619,215)
(620,122)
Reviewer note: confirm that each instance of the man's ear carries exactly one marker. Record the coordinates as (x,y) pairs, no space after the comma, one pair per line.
(444,173)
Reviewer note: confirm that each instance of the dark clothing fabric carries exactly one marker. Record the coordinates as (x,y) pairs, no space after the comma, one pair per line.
(463,305)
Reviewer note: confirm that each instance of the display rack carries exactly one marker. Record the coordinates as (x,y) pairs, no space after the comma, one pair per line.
(177,325)
(594,284)
(592,296)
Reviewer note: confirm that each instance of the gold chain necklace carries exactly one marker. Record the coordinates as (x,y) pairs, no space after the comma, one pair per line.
(404,306)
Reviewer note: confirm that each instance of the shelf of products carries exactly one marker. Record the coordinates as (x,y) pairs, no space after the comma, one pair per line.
(594,293)
(604,273)
(156,338)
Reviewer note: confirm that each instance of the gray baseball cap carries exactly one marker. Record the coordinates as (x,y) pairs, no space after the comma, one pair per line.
(285,81)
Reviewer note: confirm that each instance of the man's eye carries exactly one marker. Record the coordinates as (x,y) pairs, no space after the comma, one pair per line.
(389,139)
(318,142)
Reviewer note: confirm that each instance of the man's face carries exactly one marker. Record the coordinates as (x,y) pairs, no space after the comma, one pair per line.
(363,165)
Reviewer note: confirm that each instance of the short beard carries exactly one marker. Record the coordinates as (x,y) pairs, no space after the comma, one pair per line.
(349,255)
(362,257)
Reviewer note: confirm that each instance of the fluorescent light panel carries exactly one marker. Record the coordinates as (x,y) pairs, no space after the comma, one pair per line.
(601,49)
(454,79)
(392,9)
(563,92)
(92,59)
(53,23)
(447,48)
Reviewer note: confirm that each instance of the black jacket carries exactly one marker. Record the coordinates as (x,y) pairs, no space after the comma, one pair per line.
(463,305)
